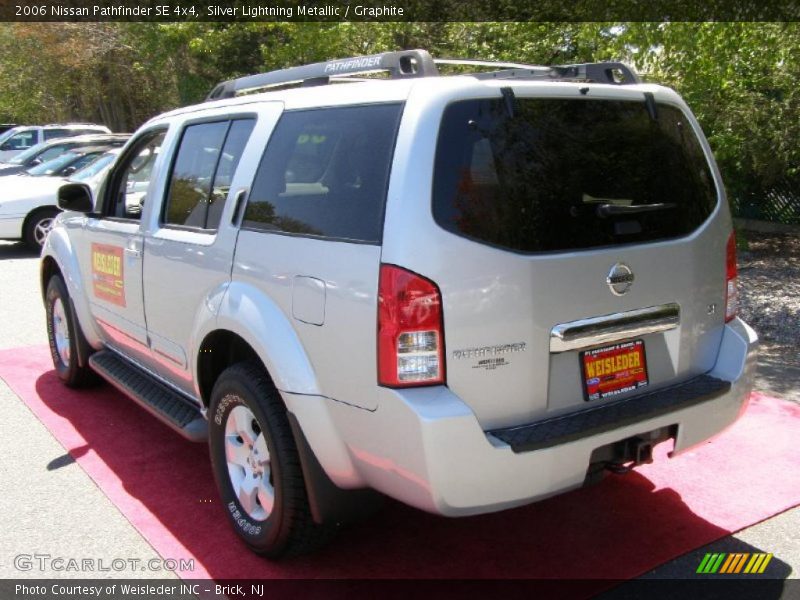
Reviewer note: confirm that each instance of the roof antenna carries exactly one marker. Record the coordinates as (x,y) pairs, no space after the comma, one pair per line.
(510,100)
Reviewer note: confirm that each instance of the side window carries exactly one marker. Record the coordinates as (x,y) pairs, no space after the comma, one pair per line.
(51,153)
(131,179)
(325,173)
(203,169)
(237,138)
(21,141)
(83,161)
(51,134)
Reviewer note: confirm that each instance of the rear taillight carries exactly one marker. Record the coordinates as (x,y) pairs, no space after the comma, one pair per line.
(731,280)
(410,329)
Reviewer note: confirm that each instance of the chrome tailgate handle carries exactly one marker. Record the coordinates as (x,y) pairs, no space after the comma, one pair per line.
(585,333)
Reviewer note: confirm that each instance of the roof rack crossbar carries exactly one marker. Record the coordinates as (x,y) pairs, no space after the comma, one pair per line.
(399,65)
(487,63)
(606,72)
(601,72)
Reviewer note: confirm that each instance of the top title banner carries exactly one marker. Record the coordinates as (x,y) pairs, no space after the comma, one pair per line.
(400,10)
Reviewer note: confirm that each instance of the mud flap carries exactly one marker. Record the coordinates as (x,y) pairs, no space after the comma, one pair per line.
(328,502)
(84,350)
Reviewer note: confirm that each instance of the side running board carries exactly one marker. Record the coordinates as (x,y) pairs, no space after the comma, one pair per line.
(162,402)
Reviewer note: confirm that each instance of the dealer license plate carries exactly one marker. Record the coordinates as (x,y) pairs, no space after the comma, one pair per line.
(613,370)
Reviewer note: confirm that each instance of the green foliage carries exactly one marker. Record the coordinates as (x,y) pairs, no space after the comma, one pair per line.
(739,78)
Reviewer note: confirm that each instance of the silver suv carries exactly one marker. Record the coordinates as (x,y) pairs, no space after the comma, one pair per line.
(467,293)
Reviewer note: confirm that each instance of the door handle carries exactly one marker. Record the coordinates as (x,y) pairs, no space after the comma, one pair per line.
(133,248)
(238,203)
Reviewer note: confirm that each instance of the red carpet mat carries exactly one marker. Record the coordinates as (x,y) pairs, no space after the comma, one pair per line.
(618,529)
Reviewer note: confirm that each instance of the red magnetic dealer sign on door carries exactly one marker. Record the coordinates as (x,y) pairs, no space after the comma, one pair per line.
(108,281)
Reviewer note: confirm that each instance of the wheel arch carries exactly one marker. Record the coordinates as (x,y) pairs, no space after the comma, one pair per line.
(47,269)
(219,350)
(48,208)
(59,258)
(328,503)
(254,318)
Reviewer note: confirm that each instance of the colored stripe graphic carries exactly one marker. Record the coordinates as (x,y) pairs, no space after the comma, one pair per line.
(742,559)
(702,567)
(711,563)
(738,563)
(728,562)
(764,564)
(724,563)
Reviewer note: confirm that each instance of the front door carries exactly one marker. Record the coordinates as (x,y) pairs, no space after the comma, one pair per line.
(111,259)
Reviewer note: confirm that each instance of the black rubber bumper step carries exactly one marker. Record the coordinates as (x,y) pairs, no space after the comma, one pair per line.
(167,405)
(612,415)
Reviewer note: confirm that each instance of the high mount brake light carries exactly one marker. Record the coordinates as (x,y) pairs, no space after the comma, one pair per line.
(410,329)
(731,280)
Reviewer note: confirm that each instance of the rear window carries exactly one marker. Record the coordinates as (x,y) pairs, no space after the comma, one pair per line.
(539,175)
(325,173)
(51,134)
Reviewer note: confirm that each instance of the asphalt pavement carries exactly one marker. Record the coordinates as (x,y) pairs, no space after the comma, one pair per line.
(49,506)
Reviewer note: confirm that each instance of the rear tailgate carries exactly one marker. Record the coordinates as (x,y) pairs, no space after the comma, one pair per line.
(501,310)
(579,246)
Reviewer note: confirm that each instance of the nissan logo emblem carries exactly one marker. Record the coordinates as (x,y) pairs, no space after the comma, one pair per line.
(620,279)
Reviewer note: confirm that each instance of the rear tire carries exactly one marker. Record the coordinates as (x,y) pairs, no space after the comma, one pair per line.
(37,227)
(64,333)
(257,467)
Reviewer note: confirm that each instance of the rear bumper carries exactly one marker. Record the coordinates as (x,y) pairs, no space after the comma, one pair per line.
(425,447)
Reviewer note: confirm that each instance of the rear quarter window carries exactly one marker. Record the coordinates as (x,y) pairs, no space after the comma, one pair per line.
(325,172)
(51,134)
(202,172)
(568,174)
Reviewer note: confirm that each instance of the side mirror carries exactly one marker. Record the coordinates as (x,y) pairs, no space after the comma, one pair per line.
(7,146)
(76,197)
(69,171)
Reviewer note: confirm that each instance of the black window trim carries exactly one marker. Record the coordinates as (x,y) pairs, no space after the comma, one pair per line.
(113,177)
(401,104)
(696,130)
(230,118)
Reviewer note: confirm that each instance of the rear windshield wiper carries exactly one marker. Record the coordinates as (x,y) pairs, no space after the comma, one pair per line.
(613,210)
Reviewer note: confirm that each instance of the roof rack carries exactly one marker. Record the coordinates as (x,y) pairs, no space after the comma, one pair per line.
(400,65)
(417,63)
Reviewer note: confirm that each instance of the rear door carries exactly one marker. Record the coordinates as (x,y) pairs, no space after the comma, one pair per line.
(190,241)
(575,250)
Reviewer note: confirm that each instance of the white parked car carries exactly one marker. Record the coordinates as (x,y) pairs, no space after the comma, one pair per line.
(22,137)
(46,151)
(28,201)
(467,293)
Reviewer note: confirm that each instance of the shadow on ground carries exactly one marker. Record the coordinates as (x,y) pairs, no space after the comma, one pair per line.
(11,250)
(777,378)
(591,533)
